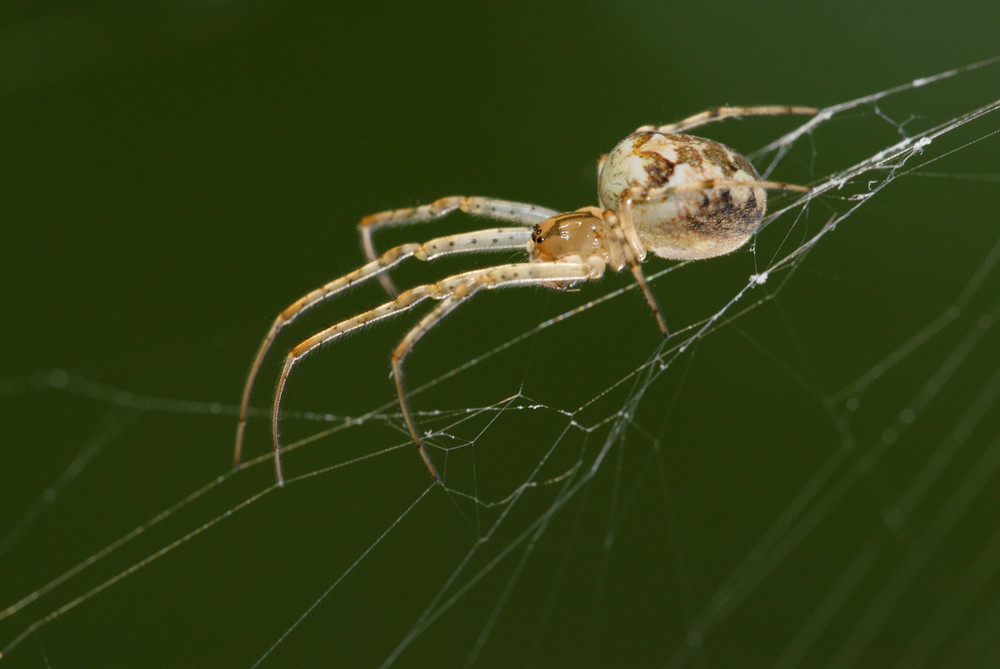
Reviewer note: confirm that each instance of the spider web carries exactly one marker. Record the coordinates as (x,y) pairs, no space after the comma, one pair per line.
(805,470)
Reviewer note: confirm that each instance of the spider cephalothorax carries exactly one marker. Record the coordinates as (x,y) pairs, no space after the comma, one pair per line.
(661,191)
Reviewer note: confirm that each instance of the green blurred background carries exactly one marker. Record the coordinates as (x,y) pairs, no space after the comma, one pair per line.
(175,173)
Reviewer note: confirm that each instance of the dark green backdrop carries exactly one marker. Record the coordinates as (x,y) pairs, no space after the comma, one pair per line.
(175,174)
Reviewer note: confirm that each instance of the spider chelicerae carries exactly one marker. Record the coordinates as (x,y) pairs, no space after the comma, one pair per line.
(678,196)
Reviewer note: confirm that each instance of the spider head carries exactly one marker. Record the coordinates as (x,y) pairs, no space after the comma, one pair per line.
(578,234)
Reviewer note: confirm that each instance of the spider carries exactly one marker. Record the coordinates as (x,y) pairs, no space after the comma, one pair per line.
(678,196)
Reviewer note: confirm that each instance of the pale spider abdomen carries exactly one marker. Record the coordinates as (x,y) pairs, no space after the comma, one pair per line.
(688,224)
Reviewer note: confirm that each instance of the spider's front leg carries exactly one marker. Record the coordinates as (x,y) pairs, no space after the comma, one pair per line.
(522,213)
(451,291)
(497,239)
(460,288)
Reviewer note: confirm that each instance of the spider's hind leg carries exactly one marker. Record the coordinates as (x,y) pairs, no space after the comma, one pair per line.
(633,254)
(720,113)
